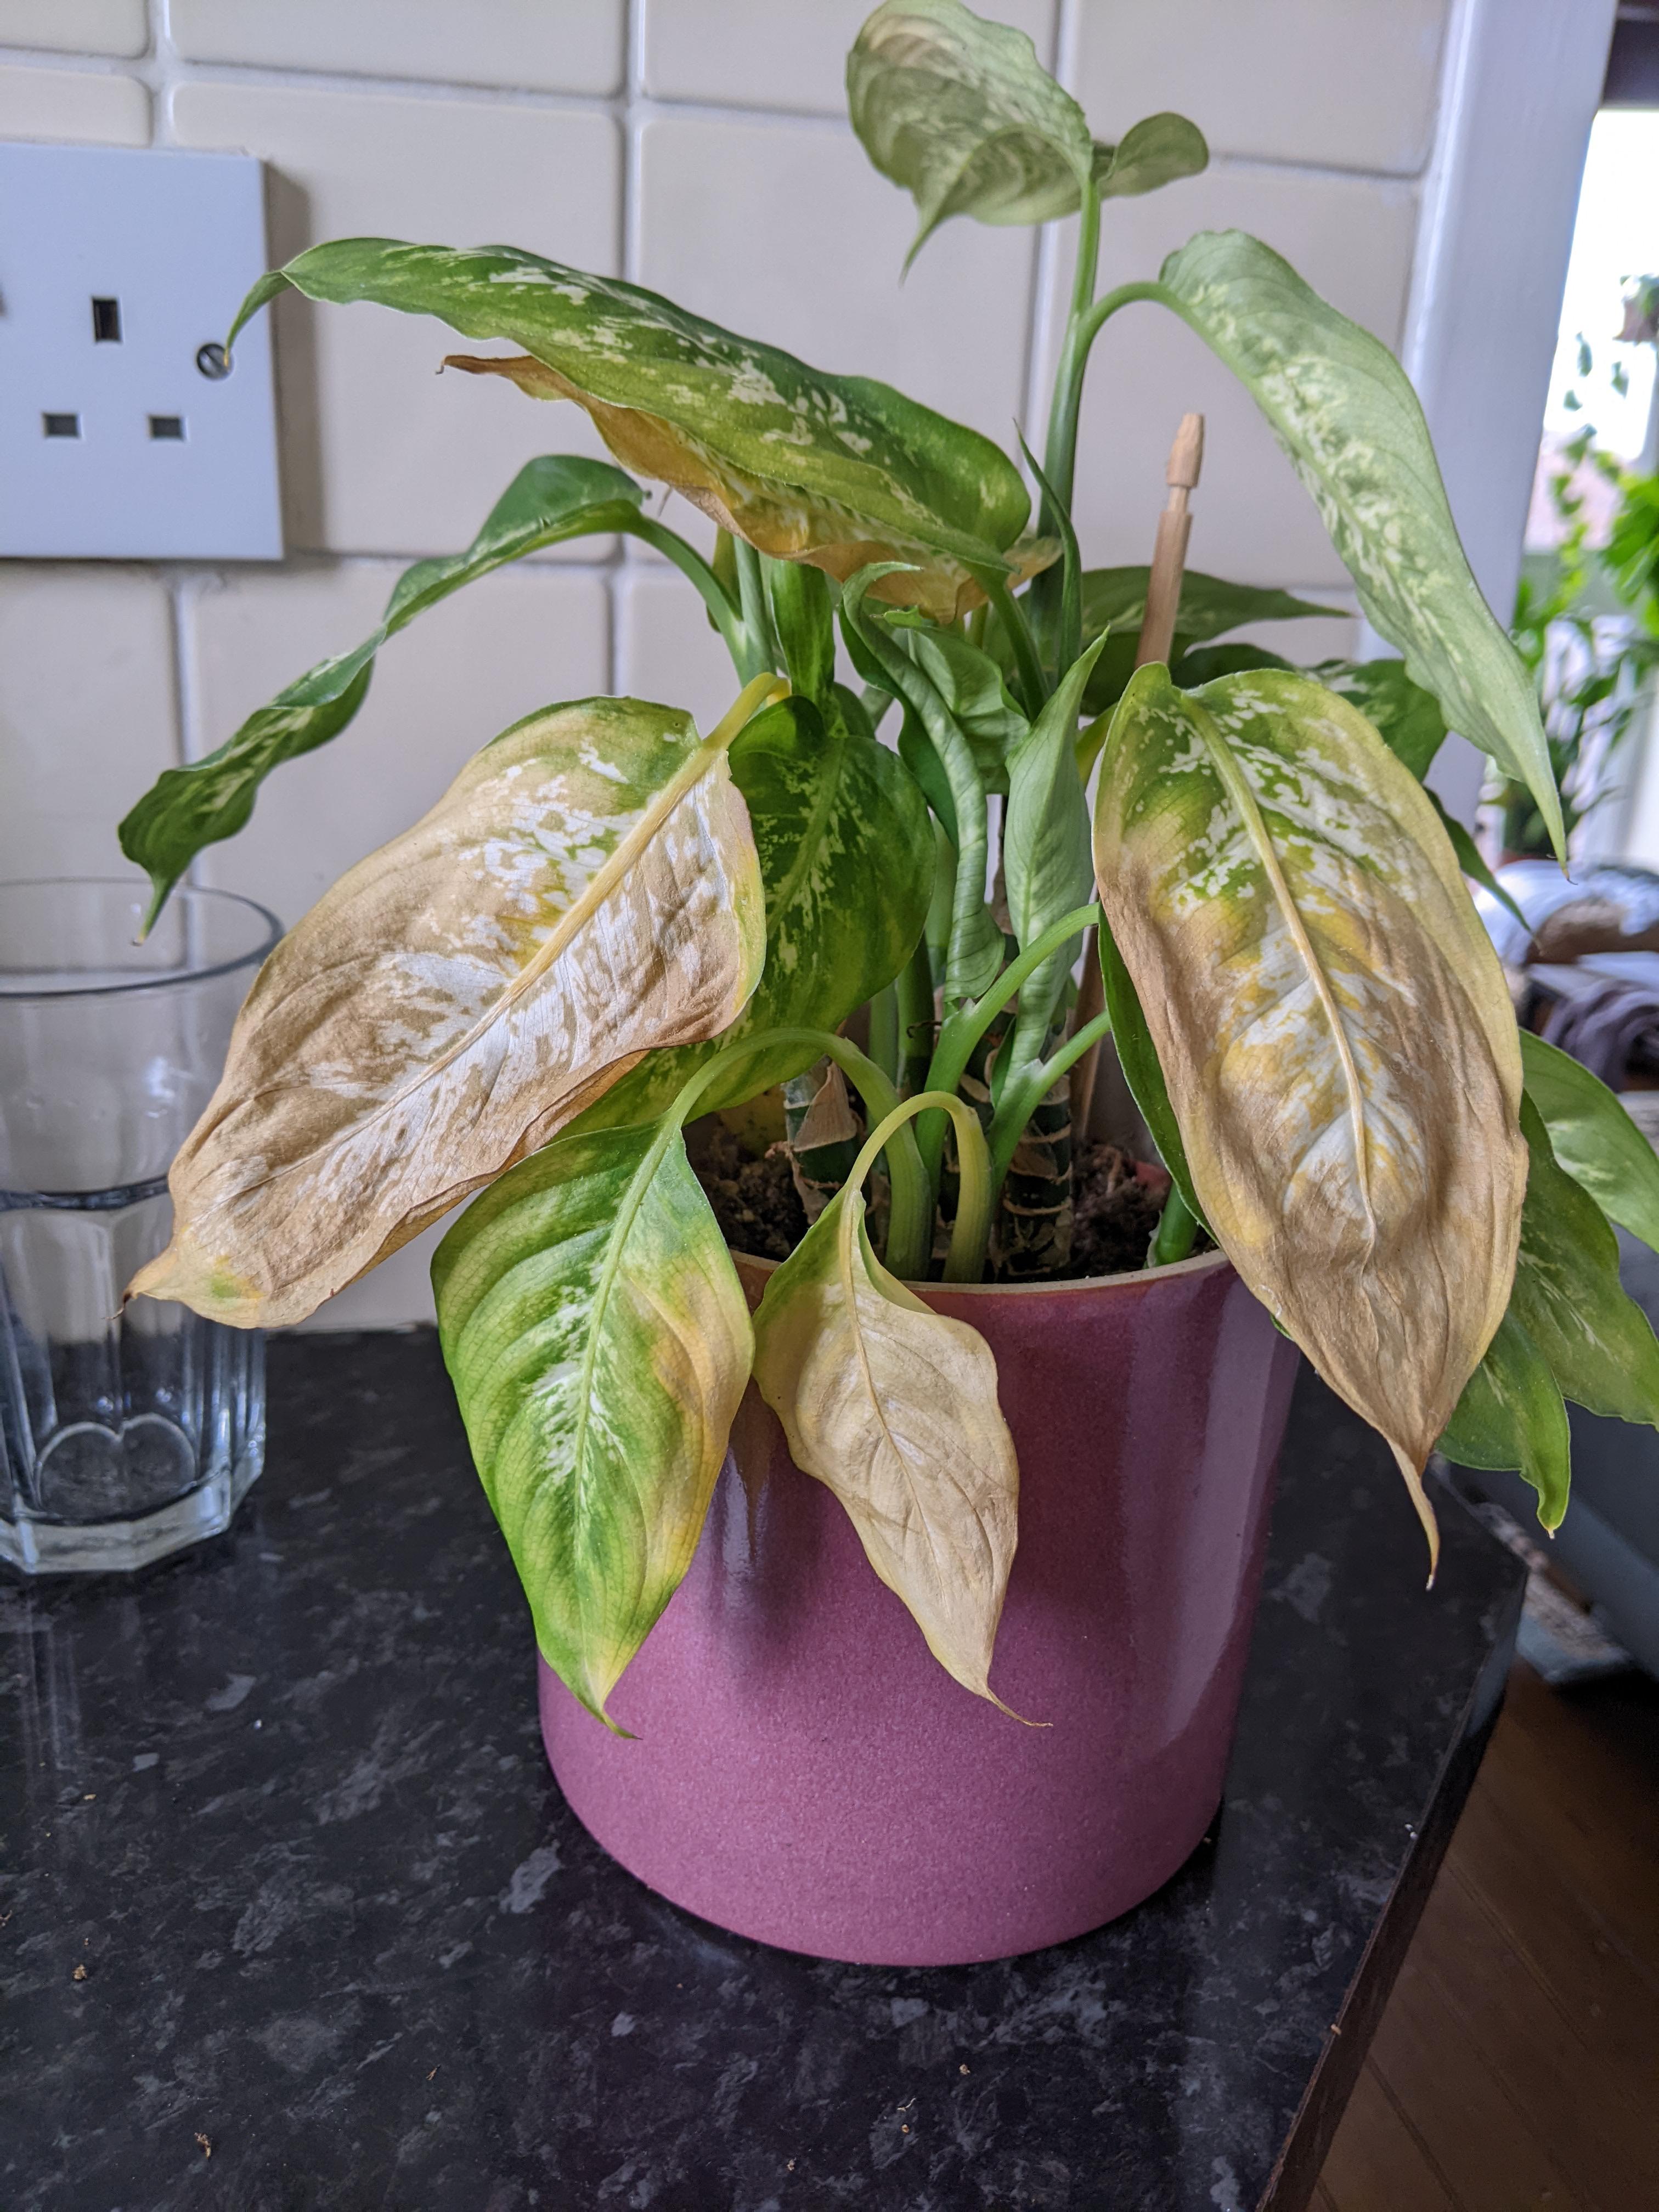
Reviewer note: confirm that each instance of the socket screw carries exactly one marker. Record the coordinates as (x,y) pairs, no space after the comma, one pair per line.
(213,362)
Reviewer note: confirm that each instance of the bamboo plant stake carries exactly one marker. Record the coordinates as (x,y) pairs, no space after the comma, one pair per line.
(1158,626)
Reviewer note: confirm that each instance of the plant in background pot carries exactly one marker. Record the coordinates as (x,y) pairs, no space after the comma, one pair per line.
(611,925)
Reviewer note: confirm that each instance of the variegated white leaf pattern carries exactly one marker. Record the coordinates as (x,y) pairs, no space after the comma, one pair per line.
(1337,1042)
(586,890)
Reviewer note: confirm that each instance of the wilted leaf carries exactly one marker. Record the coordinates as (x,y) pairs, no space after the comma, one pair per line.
(838,470)
(894,1408)
(1594,1139)
(598,1341)
(847,861)
(962,113)
(1159,150)
(554,498)
(1332,1026)
(1342,408)
(585,890)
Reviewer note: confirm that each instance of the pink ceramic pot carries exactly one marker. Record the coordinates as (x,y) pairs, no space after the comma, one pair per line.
(806,1773)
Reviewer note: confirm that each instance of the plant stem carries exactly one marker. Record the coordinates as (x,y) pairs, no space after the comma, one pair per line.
(1177,1226)
(962,1031)
(691,564)
(971,1233)
(885,1031)
(914,994)
(1059,456)
(1020,1099)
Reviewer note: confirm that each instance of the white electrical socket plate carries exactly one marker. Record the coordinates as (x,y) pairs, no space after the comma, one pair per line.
(119,447)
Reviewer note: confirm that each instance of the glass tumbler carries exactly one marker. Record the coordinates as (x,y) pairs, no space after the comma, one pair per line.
(122,1436)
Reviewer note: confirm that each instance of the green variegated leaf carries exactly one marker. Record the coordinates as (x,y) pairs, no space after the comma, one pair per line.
(1405,716)
(971,685)
(894,1408)
(1594,1139)
(1343,409)
(1332,1026)
(550,499)
(588,888)
(1157,151)
(846,860)
(1512,1415)
(598,1340)
(1045,850)
(962,113)
(838,470)
(1597,1342)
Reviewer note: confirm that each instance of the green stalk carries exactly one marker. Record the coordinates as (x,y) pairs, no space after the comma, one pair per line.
(1020,1099)
(1030,682)
(885,1031)
(1177,1227)
(1059,456)
(970,1233)
(962,1031)
(910,1217)
(712,594)
(914,994)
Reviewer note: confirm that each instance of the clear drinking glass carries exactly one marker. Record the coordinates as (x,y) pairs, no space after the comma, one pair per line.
(123,1437)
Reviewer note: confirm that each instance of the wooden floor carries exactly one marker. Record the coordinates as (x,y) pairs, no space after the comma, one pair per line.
(1517,2067)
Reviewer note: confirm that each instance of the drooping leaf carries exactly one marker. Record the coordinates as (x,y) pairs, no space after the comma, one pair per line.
(598,1340)
(839,470)
(555,497)
(1405,716)
(846,854)
(585,890)
(894,1408)
(1511,1414)
(1158,150)
(1593,1138)
(962,113)
(1045,848)
(1333,1026)
(1343,409)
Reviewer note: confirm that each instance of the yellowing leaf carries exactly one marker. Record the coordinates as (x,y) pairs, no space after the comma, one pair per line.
(586,890)
(1337,1042)
(598,1340)
(839,470)
(894,1409)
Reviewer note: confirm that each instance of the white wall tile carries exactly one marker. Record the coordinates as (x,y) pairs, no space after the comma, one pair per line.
(521,639)
(780,53)
(1352,239)
(73,108)
(540,45)
(87,713)
(1351,84)
(783,231)
(379,454)
(77,26)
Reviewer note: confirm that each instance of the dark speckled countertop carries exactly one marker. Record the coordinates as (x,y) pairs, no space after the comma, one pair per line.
(284,1800)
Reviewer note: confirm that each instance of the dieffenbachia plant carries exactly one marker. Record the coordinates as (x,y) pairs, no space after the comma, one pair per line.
(612,922)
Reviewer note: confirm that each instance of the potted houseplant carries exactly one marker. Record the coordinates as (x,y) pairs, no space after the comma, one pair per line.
(612,925)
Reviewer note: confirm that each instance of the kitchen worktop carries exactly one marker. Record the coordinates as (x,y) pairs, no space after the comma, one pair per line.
(293,1916)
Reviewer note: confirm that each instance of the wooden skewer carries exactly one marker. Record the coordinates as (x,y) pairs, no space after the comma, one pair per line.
(1157,627)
